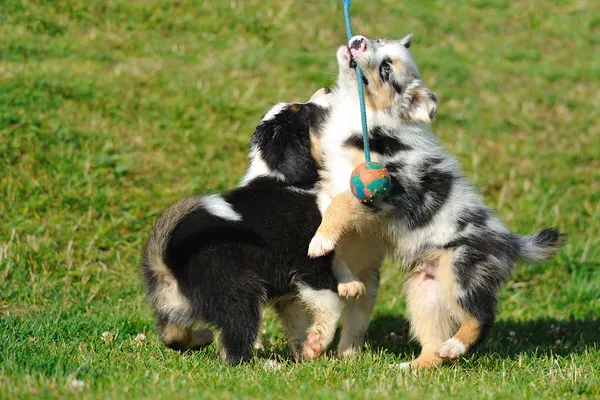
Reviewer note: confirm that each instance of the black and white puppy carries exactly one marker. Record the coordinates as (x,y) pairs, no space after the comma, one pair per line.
(218,259)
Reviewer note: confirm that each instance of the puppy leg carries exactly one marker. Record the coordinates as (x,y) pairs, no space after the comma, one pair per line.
(182,337)
(296,321)
(476,300)
(357,314)
(239,333)
(325,308)
(345,212)
(431,321)
(349,286)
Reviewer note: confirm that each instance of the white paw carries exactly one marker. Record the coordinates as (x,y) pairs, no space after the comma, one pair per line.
(320,245)
(258,345)
(352,289)
(451,349)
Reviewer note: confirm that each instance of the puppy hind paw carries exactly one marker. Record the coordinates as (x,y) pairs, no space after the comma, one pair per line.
(451,349)
(313,347)
(426,362)
(320,245)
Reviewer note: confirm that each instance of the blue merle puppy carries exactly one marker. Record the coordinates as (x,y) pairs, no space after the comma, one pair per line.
(218,259)
(455,250)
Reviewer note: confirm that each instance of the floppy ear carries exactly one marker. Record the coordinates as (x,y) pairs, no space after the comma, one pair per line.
(297,163)
(406,40)
(419,104)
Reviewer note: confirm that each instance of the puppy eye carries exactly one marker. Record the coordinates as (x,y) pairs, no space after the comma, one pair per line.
(384,70)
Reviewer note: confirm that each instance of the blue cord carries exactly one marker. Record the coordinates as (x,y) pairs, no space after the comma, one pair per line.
(361,90)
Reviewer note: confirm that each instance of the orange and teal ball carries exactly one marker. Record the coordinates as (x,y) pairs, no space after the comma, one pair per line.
(370,181)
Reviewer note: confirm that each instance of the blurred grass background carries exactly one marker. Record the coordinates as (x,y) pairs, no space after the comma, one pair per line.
(111,110)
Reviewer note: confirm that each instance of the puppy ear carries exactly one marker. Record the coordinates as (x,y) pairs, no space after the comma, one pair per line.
(419,104)
(406,41)
(297,163)
(285,144)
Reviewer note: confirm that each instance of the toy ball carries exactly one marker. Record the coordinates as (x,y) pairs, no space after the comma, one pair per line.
(370,181)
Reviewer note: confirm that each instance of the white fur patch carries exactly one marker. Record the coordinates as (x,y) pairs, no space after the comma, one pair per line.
(325,308)
(324,301)
(451,349)
(257,167)
(217,206)
(276,109)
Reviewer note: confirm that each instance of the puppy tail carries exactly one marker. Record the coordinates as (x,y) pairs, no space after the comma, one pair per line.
(540,247)
(153,261)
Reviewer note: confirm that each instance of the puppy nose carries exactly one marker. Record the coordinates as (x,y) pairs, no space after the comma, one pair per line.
(358,43)
(326,90)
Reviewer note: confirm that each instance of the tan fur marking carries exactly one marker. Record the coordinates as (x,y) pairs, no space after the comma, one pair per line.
(378,95)
(446,274)
(469,332)
(427,359)
(343,210)
(398,66)
(315,149)
(295,107)
(174,334)
(344,214)
(167,297)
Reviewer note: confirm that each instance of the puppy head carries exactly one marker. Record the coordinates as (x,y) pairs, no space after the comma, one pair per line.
(390,75)
(285,143)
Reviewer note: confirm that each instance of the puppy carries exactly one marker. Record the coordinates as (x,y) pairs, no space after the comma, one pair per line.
(456,251)
(218,259)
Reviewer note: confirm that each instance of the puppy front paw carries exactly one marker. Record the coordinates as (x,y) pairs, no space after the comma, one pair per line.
(320,245)
(353,289)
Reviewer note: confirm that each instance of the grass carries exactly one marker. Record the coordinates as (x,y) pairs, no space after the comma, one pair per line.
(109,111)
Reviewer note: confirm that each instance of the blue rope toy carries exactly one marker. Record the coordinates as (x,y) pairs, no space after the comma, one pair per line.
(370,180)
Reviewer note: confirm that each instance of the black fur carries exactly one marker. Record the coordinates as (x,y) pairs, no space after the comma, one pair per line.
(380,141)
(549,237)
(476,217)
(417,202)
(397,86)
(228,269)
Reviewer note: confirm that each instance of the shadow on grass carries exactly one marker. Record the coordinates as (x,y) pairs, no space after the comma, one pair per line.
(507,338)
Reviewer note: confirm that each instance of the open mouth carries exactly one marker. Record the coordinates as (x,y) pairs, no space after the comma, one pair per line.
(352,62)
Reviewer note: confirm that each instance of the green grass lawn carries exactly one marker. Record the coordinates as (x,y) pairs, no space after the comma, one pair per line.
(111,110)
